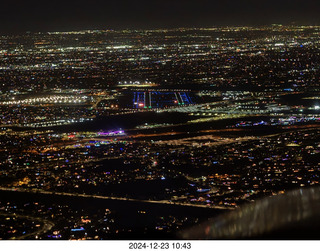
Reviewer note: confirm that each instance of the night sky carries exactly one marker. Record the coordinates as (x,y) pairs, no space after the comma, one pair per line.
(20,16)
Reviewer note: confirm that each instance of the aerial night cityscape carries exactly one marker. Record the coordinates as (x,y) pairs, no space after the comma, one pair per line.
(160,132)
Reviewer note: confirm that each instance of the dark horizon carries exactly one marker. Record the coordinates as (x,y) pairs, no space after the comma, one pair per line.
(36,16)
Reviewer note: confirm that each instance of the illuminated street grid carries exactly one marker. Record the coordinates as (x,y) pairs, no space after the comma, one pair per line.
(179,125)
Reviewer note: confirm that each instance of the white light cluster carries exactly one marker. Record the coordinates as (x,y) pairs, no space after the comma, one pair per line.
(47,100)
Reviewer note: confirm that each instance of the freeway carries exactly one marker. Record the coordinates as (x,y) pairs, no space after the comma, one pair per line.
(47,225)
(208,140)
(167,202)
